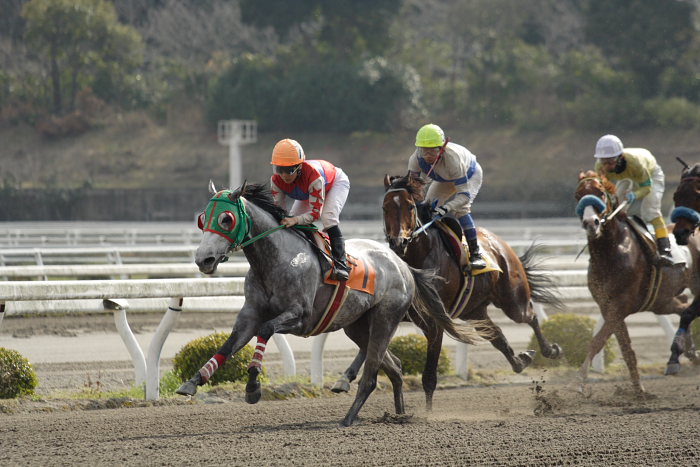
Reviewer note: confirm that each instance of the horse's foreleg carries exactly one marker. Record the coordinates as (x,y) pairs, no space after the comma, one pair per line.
(595,346)
(682,343)
(242,332)
(429,377)
(287,322)
(343,383)
(623,339)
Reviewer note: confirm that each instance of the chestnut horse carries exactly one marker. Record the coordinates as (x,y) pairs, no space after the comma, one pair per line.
(623,276)
(687,220)
(511,290)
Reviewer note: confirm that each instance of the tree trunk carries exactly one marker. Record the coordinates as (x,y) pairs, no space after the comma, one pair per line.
(56,85)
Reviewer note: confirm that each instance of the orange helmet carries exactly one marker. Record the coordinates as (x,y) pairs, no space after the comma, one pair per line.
(287,152)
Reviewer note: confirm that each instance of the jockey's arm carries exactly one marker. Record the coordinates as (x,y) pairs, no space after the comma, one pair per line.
(457,174)
(639,174)
(317,196)
(414,168)
(277,194)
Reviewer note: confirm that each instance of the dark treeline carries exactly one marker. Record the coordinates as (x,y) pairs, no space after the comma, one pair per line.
(361,65)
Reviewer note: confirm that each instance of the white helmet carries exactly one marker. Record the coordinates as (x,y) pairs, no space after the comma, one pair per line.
(608,146)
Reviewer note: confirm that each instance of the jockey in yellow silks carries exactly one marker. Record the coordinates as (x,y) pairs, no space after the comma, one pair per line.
(456,179)
(644,198)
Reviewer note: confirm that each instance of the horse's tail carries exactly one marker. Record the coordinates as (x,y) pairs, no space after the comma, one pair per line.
(542,286)
(426,303)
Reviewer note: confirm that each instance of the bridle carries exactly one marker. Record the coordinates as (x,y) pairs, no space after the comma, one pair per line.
(608,198)
(405,240)
(684,212)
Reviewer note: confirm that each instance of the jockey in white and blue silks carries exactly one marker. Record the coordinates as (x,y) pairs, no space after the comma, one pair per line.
(456,179)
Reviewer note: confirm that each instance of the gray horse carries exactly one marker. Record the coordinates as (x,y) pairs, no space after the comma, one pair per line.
(285,292)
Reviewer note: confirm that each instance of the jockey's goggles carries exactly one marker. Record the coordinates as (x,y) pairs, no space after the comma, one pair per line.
(287,169)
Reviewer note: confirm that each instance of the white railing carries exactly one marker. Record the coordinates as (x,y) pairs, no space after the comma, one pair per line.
(114,295)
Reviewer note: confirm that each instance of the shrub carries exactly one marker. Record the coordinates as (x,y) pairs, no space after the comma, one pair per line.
(17,376)
(573,333)
(193,355)
(411,350)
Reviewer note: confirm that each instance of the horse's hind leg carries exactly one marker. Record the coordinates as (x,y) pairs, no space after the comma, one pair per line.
(548,350)
(623,338)
(517,362)
(343,383)
(391,364)
(373,337)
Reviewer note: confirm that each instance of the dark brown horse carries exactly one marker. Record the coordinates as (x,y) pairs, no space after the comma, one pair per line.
(512,290)
(622,273)
(687,220)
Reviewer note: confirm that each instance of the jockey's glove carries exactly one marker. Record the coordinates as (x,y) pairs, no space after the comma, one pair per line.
(631,197)
(441,211)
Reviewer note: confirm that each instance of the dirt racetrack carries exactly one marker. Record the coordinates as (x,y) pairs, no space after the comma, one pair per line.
(514,424)
(493,419)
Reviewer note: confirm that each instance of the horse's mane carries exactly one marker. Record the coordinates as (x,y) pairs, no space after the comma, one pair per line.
(414,186)
(260,195)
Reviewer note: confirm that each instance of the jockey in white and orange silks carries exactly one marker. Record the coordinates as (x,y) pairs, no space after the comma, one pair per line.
(456,179)
(319,190)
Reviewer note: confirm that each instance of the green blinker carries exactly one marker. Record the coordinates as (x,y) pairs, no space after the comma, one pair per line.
(222,205)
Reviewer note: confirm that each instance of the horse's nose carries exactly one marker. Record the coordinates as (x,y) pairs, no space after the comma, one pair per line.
(206,265)
(591,223)
(681,235)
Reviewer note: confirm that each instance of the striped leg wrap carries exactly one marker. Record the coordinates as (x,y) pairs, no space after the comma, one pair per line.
(211,366)
(258,354)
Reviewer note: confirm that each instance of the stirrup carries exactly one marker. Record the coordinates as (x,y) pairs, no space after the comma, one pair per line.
(340,273)
(664,260)
(477,262)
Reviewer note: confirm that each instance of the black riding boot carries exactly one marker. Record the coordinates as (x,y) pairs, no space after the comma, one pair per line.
(664,247)
(341,272)
(475,259)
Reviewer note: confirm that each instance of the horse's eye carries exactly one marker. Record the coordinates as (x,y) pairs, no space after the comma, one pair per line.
(411,207)
(200,221)
(226,221)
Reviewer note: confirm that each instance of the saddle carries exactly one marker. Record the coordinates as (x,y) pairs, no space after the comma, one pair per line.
(678,254)
(451,235)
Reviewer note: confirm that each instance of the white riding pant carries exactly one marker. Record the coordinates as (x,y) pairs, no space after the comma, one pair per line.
(332,205)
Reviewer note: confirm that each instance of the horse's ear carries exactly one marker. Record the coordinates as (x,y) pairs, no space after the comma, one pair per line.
(387,182)
(238,191)
(212,188)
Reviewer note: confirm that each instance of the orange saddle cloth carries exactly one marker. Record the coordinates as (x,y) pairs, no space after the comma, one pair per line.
(362,273)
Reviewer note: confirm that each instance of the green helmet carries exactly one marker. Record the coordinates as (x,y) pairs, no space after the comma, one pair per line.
(430,136)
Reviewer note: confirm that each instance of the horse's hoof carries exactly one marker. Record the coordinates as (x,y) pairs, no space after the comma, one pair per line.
(672,369)
(344,423)
(557,352)
(341,386)
(188,388)
(525,359)
(253,397)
